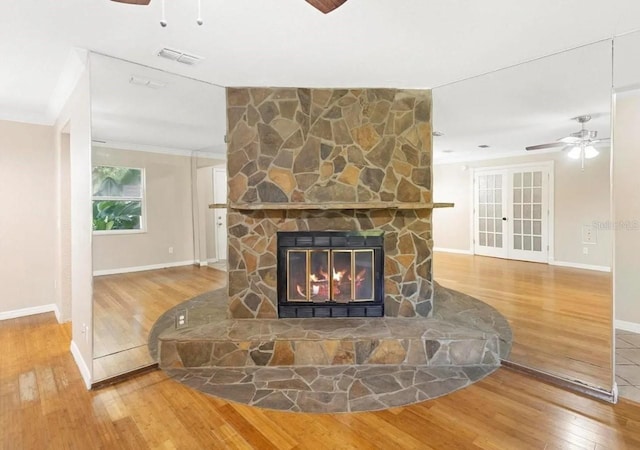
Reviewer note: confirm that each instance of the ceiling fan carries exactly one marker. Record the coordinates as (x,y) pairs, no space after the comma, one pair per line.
(581,143)
(324,6)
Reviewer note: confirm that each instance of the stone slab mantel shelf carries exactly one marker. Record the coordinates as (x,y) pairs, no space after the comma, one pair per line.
(331,206)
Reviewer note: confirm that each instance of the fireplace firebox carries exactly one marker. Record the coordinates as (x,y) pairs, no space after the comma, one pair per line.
(330,274)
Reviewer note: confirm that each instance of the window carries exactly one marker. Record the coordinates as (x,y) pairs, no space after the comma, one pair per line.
(117,198)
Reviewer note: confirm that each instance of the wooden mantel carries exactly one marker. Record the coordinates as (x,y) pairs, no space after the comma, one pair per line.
(330,206)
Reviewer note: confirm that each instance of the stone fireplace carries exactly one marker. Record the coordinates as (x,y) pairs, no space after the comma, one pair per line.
(330,218)
(329,160)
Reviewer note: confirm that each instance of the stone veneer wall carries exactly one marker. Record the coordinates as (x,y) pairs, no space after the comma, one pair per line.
(339,146)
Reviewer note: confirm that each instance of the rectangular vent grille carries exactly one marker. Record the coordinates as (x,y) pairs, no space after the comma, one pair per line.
(179,56)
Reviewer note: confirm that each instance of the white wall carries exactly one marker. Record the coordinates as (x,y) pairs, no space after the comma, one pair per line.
(76,117)
(581,198)
(626,220)
(27,222)
(169,222)
(63,256)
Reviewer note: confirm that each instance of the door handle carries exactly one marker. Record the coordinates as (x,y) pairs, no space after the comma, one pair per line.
(504,218)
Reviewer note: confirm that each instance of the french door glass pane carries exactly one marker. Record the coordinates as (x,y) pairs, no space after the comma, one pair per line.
(517,180)
(537,211)
(537,244)
(517,226)
(517,196)
(537,178)
(517,242)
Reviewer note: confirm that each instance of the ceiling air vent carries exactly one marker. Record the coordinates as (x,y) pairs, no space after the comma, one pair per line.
(178,56)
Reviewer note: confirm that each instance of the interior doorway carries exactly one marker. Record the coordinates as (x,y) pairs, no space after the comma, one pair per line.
(512,212)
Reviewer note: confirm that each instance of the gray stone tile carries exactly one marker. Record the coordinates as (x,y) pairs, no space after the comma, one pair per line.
(620,332)
(275,400)
(382,384)
(622,361)
(323,402)
(367,404)
(631,354)
(629,373)
(631,339)
(630,393)
(400,398)
(621,343)
(621,381)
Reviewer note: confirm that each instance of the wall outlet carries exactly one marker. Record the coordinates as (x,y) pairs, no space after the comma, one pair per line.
(171,250)
(85,331)
(589,234)
(182,318)
(585,250)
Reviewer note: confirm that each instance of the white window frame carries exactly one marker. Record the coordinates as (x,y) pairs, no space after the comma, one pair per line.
(142,199)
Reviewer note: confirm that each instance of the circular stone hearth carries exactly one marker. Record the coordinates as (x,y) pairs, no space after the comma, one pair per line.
(339,388)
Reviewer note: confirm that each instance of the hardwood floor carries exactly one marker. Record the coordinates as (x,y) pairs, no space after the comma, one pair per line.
(126,306)
(44,404)
(560,317)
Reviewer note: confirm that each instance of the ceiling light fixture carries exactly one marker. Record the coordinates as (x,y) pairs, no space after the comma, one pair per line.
(583,151)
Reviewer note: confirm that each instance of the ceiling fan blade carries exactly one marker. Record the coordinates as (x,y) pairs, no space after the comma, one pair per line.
(571,140)
(133,2)
(543,146)
(326,6)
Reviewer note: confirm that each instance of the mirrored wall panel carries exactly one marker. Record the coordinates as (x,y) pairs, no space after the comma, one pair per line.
(524,153)
(158,138)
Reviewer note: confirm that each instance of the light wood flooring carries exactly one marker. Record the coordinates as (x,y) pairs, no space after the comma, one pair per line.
(561,317)
(44,405)
(125,307)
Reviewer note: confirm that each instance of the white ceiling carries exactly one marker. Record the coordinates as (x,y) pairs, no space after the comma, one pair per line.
(408,43)
(183,114)
(524,105)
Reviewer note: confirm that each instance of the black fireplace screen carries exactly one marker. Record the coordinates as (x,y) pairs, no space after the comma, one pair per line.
(330,274)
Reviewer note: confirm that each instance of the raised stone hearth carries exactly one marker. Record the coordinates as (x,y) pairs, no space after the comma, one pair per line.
(332,365)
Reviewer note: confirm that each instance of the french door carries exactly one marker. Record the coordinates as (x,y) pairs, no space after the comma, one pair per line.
(511,213)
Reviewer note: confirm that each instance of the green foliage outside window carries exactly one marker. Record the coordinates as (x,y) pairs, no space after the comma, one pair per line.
(117,198)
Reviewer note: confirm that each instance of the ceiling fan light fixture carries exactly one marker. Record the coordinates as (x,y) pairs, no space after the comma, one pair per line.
(590,152)
(575,152)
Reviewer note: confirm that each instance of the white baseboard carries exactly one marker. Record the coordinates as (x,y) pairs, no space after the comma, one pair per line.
(579,265)
(82,365)
(97,273)
(627,326)
(31,311)
(453,250)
